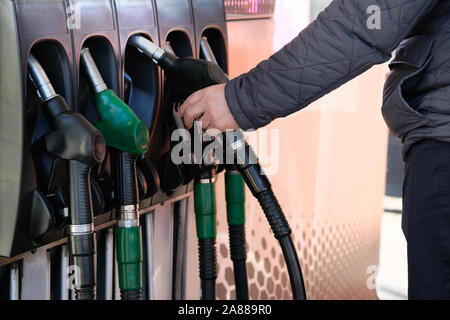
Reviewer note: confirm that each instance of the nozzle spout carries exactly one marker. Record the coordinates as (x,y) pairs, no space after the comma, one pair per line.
(40,79)
(147,47)
(206,50)
(92,71)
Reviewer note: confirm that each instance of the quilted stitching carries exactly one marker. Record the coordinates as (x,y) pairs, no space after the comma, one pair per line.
(335,48)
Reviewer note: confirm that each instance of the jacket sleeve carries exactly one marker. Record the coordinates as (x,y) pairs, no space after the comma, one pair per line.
(333,49)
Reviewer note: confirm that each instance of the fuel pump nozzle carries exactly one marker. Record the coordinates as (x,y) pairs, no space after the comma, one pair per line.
(39,78)
(199,74)
(121,127)
(75,139)
(125,132)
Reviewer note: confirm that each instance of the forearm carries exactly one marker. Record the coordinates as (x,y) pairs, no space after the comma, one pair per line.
(335,48)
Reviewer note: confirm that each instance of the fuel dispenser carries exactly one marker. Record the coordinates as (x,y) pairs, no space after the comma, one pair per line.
(92,218)
(198,74)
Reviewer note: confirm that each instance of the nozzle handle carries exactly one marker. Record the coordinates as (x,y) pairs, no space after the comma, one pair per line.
(80,193)
(92,71)
(74,138)
(40,79)
(81,230)
(124,170)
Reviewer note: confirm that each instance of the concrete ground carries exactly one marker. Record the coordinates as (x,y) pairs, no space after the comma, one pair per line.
(392,280)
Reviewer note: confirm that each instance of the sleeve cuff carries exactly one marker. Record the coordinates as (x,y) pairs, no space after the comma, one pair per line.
(235,108)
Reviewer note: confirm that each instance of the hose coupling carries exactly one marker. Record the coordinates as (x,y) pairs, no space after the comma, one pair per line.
(81,229)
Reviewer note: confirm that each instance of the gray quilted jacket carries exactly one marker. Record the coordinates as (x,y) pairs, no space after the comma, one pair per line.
(339,46)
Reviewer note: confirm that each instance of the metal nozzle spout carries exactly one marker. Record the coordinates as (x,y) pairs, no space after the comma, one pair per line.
(40,79)
(147,47)
(206,50)
(92,71)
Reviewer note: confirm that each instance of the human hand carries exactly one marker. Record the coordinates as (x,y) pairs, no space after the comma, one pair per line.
(209,106)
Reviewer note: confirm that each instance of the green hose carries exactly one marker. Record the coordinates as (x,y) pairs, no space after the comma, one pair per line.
(129,257)
(129,136)
(124,131)
(205,218)
(235,197)
(205,209)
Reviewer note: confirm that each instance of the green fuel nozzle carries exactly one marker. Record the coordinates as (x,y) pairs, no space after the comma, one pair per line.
(121,127)
(128,135)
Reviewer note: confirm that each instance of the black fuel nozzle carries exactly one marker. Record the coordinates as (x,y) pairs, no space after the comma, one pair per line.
(196,73)
(75,139)
(187,76)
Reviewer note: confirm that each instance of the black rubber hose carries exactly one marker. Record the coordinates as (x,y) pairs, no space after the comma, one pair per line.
(293,266)
(208,275)
(282,232)
(126,186)
(80,193)
(126,189)
(238,255)
(82,246)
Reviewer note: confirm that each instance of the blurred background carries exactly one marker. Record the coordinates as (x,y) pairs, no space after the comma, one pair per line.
(340,171)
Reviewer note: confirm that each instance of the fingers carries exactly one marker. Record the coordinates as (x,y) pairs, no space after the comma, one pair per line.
(209,106)
(191,114)
(192,100)
(205,121)
(191,109)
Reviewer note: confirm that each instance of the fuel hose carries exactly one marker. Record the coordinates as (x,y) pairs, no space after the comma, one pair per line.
(128,138)
(235,198)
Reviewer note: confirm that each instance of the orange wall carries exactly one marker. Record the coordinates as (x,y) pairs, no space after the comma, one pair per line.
(330,181)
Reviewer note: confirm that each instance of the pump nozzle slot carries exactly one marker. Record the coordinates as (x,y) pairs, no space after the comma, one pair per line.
(49,72)
(142,94)
(216,42)
(148,47)
(52,58)
(102,53)
(40,79)
(121,127)
(73,138)
(91,70)
(47,63)
(142,49)
(128,136)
